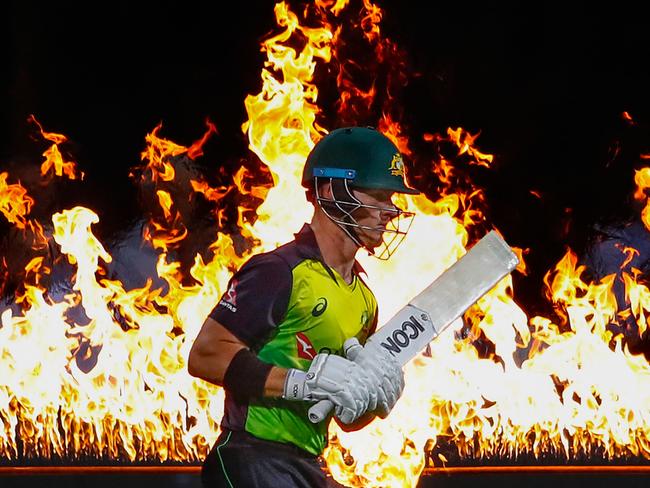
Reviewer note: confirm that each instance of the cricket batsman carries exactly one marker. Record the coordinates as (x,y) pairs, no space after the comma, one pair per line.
(275,340)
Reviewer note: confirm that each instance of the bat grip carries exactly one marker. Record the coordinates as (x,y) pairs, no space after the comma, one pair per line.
(320,411)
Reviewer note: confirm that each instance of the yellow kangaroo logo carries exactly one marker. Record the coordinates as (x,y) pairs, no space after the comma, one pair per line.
(396,165)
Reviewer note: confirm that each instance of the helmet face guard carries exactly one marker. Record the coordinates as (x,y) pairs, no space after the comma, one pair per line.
(342,207)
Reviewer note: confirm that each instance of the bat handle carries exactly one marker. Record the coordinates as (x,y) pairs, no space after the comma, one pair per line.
(320,411)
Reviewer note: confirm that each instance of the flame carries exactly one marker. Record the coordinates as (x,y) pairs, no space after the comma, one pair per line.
(115,379)
(543,381)
(15,203)
(465,142)
(281,128)
(159,171)
(196,149)
(334,6)
(521,267)
(54,163)
(642,180)
(630,254)
(94,369)
(157,154)
(91,368)
(371,17)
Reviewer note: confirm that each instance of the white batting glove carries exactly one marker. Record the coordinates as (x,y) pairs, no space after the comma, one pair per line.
(333,378)
(385,372)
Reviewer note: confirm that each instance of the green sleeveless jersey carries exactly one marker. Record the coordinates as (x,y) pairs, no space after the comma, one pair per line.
(287,305)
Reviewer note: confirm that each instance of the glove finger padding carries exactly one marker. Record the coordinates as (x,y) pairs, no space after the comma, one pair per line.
(345,415)
(394,377)
(386,373)
(384,390)
(352,347)
(341,381)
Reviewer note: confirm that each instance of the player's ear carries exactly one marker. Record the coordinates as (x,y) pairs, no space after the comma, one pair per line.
(325,189)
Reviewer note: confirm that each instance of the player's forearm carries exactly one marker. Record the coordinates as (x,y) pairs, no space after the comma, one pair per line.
(219,357)
(212,368)
(274,386)
(210,365)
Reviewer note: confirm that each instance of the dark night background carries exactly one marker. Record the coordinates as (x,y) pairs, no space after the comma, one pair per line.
(544,84)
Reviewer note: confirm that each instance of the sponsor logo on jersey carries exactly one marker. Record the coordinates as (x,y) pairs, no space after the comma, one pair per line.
(229,299)
(320,307)
(304,346)
(365,323)
(364,318)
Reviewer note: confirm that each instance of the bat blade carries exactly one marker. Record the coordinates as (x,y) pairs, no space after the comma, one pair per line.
(434,309)
(448,297)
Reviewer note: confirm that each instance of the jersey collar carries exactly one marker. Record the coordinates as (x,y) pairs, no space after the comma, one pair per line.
(308,248)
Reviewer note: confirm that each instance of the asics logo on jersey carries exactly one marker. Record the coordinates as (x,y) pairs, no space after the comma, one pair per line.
(320,307)
(305,347)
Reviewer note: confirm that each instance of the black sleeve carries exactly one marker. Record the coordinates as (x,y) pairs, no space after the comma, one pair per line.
(256,299)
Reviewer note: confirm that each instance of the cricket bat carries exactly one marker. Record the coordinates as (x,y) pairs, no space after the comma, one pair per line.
(427,315)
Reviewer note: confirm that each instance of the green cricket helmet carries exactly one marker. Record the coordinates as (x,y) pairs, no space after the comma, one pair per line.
(362,155)
(359,158)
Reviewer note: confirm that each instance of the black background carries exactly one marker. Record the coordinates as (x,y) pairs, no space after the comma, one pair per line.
(545,85)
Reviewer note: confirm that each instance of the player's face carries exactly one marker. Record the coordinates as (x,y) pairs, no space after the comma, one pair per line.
(373,220)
